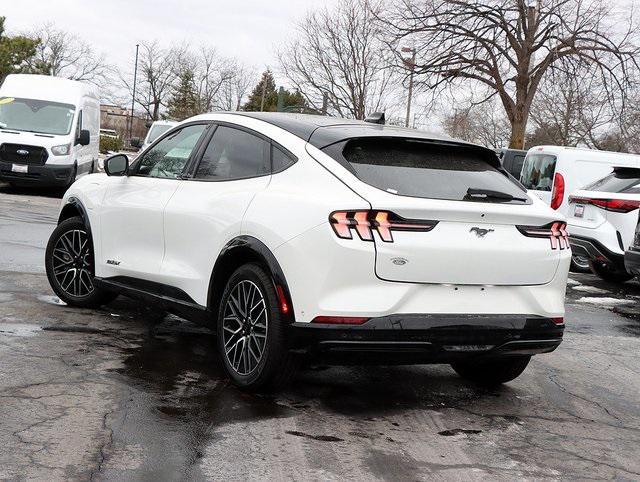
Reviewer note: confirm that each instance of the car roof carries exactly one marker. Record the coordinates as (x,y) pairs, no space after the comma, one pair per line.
(322,131)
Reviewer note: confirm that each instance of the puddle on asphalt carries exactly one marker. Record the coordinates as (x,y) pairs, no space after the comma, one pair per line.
(19,329)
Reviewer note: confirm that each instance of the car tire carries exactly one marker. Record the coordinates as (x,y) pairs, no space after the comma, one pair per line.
(580,264)
(609,273)
(70,266)
(492,372)
(251,333)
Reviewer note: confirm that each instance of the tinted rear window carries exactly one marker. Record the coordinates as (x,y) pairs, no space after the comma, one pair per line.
(537,172)
(622,181)
(422,169)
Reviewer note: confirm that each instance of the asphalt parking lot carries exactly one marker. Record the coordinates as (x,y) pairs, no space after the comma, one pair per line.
(128,392)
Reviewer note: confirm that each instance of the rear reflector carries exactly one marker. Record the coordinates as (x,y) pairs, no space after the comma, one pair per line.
(558,321)
(556,232)
(340,320)
(615,205)
(282,300)
(365,222)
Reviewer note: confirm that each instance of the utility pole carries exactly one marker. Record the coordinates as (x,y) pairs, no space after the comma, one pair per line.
(412,67)
(264,92)
(133,97)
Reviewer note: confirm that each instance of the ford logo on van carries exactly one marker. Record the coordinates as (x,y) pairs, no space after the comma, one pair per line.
(22,152)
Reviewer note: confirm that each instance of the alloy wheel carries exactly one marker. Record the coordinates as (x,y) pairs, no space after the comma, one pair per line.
(244,327)
(72,263)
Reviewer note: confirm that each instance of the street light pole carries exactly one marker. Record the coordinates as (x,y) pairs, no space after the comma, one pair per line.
(133,97)
(412,66)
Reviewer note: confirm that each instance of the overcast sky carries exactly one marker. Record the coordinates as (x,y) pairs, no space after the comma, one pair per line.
(247,29)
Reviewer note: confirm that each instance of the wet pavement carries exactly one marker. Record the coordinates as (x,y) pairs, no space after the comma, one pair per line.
(126,392)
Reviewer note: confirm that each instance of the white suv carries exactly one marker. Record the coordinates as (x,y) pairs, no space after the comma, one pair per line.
(300,236)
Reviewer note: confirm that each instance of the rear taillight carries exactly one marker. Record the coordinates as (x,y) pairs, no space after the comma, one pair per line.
(615,205)
(556,232)
(366,222)
(557,195)
(340,320)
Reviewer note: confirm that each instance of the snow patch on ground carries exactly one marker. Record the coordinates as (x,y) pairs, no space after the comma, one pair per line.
(605,301)
(589,289)
(572,281)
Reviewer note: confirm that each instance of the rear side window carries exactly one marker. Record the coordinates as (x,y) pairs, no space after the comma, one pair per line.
(234,154)
(538,171)
(621,181)
(423,169)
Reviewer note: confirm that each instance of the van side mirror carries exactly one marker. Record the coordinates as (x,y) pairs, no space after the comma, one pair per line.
(84,138)
(117,165)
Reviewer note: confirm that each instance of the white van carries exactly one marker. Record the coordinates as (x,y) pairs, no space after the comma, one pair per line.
(156,130)
(553,173)
(49,130)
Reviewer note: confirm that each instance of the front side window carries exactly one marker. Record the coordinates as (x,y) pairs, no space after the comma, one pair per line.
(234,154)
(538,171)
(40,116)
(169,157)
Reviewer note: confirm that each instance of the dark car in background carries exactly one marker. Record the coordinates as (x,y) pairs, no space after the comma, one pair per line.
(512,160)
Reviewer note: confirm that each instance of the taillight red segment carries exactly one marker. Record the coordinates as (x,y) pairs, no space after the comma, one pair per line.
(557,195)
(556,232)
(615,205)
(558,321)
(366,222)
(340,320)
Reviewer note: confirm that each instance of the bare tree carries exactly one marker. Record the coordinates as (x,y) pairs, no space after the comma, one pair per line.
(156,77)
(63,54)
(483,123)
(338,56)
(234,90)
(510,45)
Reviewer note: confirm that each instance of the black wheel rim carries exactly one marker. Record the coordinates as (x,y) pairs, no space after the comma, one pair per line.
(581,261)
(72,263)
(244,327)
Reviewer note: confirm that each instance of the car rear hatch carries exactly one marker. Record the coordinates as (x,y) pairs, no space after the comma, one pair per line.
(446,213)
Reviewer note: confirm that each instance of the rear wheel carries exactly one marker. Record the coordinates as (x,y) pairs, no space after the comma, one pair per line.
(609,273)
(580,264)
(70,267)
(251,333)
(492,372)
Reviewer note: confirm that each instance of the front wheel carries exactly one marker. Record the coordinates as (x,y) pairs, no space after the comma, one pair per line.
(70,266)
(492,372)
(251,332)
(609,273)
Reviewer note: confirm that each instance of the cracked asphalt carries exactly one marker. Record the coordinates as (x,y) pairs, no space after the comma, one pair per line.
(126,392)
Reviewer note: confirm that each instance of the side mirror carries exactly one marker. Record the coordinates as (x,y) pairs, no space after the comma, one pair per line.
(117,165)
(84,138)
(136,142)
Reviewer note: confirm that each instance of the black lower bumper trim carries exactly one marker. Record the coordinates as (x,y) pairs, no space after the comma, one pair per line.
(632,261)
(595,250)
(430,338)
(46,175)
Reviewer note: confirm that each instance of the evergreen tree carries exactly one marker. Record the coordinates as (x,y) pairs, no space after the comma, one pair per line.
(267,88)
(14,52)
(183,102)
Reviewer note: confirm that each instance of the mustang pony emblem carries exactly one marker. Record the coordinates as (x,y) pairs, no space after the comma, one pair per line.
(481,233)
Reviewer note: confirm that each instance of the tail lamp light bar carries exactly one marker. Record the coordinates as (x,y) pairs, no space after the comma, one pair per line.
(365,222)
(555,231)
(615,205)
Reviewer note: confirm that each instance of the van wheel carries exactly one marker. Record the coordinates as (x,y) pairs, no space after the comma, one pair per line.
(70,267)
(580,264)
(251,332)
(609,273)
(492,372)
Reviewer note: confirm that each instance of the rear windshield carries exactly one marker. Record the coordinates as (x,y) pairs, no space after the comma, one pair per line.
(423,169)
(620,181)
(537,172)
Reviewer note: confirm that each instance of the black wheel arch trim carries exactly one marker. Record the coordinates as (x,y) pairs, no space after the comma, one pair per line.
(246,244)
(74,204)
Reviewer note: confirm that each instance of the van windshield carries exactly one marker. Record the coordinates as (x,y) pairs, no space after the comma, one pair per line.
(156,131)
(41,116)
(537,172)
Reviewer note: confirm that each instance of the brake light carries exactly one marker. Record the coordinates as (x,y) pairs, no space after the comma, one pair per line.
(340,320)
(614,205)
(366,222)
(556,232)
(557,195)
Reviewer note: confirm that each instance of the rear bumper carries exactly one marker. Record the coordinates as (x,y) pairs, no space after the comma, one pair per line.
(632,261)
(427,338)
(46,175)
(595,250)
